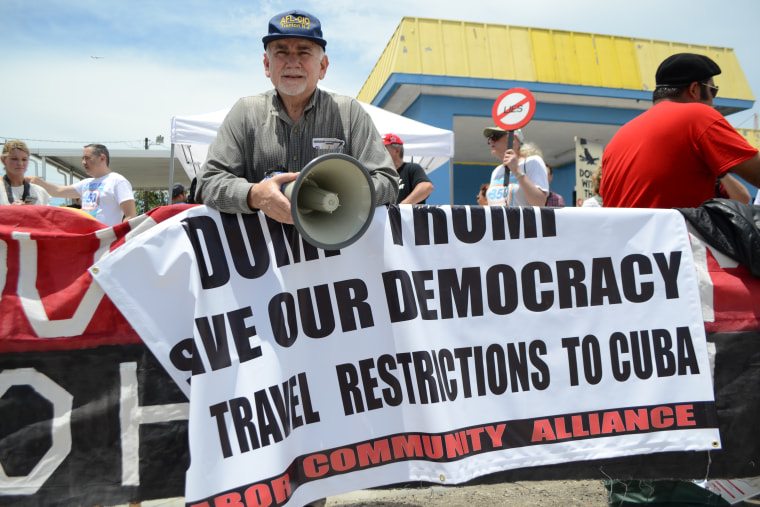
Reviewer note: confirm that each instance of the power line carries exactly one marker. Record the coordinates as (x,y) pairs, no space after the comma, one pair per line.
(5,138)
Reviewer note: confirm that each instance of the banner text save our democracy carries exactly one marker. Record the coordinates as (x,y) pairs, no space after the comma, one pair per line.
(429,376)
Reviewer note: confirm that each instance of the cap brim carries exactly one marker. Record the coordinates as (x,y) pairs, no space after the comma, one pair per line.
(269,38)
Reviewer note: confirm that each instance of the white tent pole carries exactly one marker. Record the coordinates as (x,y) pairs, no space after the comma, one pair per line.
(451,181)
(171,172)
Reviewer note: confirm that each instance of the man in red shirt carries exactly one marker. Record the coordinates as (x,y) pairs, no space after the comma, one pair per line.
(671,155)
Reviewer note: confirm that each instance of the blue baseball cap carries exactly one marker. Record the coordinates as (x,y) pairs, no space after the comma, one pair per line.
(298,24)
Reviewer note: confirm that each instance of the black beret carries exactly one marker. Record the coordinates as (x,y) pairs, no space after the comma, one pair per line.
(682,69)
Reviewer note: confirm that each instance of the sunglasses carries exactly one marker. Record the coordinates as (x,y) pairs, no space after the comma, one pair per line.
(713,89)
(496,136)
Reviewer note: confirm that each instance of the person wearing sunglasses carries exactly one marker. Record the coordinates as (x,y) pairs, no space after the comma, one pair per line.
(15,159)
(518,180)
(671,155)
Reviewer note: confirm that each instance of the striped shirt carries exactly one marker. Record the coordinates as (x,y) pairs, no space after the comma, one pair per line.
(257,137)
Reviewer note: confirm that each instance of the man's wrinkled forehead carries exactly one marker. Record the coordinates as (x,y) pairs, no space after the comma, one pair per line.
(293,43)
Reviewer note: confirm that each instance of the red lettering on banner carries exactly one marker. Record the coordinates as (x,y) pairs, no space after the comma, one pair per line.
(407,446)
(542,430)
(495,433)
(343,460)
(258,495)
(662,417)
(229,500)
(315,465)
(281,487)
(593,424)
(613,422)
(373,453)
(685,415)
(578,429)
(561,432)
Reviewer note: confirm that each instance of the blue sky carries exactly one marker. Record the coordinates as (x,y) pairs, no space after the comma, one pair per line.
(160,59)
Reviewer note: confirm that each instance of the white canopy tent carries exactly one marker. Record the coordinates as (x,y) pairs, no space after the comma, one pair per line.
(426,145)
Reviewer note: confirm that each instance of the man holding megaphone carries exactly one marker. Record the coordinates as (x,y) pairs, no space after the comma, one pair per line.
(288,127)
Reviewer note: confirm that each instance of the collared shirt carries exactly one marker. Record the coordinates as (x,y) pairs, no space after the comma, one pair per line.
(555,200)
(257,137)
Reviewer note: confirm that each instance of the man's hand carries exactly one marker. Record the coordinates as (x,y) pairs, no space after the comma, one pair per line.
(34,180)
(268,197)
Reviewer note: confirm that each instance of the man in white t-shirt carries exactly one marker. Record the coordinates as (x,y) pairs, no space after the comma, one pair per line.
(107,195)
(524,182)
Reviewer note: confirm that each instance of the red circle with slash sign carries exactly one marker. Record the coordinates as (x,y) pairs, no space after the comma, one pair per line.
(513,109)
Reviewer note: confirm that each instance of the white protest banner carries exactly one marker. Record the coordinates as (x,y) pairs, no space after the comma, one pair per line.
(447,343)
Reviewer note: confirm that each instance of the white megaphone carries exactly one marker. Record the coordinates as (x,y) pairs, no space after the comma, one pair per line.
(332,201)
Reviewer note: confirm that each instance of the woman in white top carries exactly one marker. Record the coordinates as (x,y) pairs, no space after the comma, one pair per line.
(518,180)
(15,159)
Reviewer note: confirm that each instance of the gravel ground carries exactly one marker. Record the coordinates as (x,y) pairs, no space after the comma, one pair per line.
(528,493)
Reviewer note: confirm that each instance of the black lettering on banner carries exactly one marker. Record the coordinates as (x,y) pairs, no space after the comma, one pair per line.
(287,244)
(405,360)
(498,232)
(530,227)
(217,411)
(434,376)
(309,319)
(531,297)
(469,224)
(282,318)
(446,360)
(467,293)
(183,357)
(541,378)
(570,277)
(463,355)
(241,334)
(496,364)
(395,281)
(422,217)
(351,295)
(548,223)
(687,356)
(570,344)
(370,383)
(501,284)
(259,424)
(215,342)
(514,218)
(394,219)
(468,230)
(423,368)
(213,270)
(348,385)
(604,282)
(628,275)
(392,395)
(669,272)
(256,242)
(315,309)
(646,353)
(591,358)
(423,294)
